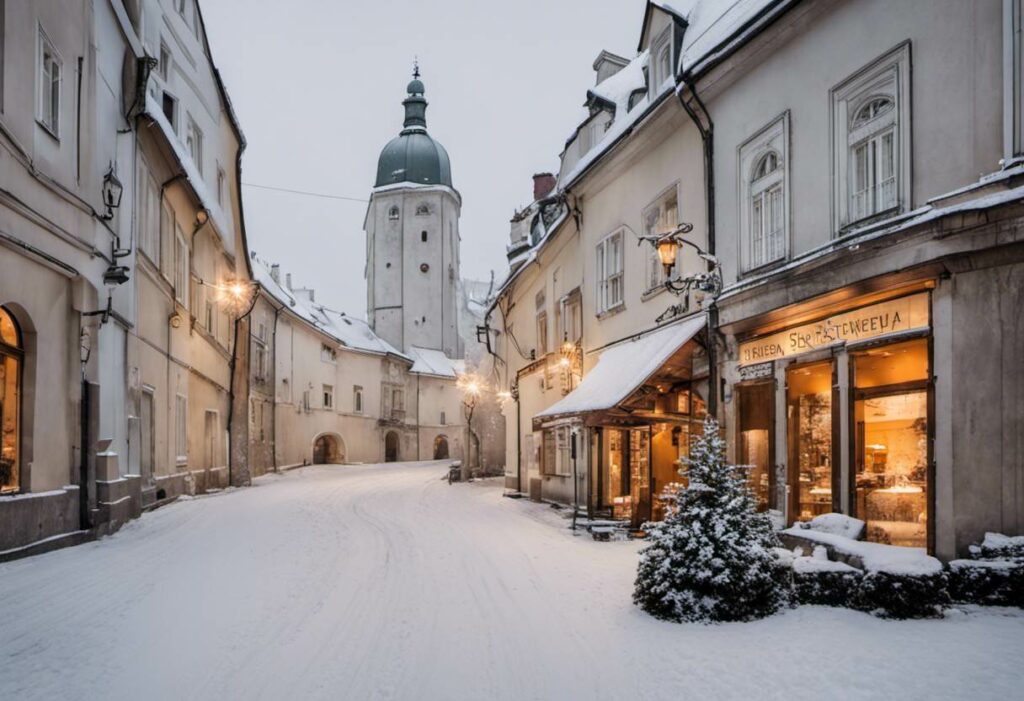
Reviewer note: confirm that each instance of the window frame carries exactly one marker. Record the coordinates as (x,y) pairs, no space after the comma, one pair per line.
(182,267)
(194,142)
(45,85)
(357,399)
(327,392)
(660,44)
(606,275)
(181,429)
(772,138)
(654,273)
(887,76)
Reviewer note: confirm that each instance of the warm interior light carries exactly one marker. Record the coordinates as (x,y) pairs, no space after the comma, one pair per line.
(564,362)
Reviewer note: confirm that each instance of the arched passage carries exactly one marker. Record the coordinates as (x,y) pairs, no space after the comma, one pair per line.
(391,446)
(328,448)
(441,447)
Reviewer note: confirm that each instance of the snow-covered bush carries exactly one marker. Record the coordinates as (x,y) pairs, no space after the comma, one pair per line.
(987,582)
(818,580)
(997,546)
(902,594)
(994,576)
(712,558)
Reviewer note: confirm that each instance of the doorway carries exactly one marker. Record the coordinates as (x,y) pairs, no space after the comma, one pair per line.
(755,441)
(441,448)
(391,447)
(211,432)
(326,450)
(811,431)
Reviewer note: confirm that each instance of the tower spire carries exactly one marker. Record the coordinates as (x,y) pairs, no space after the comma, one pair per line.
(415,67)
(415,104)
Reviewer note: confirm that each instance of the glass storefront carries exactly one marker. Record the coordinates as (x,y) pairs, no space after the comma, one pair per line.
(891,481)
(10,403)
(809,421)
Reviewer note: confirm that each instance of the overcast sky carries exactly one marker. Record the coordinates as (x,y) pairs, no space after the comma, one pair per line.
(318,85)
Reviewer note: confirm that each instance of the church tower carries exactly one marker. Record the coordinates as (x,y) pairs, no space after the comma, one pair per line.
(412,239)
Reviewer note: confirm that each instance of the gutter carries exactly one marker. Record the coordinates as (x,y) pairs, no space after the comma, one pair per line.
(732,43)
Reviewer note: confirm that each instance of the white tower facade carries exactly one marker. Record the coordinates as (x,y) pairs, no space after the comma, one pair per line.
(412,239)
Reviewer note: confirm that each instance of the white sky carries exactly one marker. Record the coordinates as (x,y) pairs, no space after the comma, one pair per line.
(318,85)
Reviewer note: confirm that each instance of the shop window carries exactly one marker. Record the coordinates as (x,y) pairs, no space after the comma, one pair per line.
(615,482)
(810,425)
(892,481)
(756,408)
(11,357)
(558,451)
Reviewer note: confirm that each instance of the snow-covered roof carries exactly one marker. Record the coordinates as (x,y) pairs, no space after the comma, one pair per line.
(428,361)
(621,369)
(617,88)
(195,178)
(712,22)
(351,332)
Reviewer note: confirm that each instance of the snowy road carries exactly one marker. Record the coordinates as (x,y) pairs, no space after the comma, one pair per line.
(386,583)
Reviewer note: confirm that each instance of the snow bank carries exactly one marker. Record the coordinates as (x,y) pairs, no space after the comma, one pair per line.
(838,524)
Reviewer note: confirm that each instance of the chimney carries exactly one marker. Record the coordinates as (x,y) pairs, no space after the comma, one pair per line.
(288,280)
(275,273)
(543,185)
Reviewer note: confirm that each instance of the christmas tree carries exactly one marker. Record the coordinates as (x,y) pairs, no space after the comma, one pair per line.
(711,559)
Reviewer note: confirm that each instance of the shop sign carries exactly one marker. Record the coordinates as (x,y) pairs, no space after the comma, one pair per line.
(756,372)
(894,316)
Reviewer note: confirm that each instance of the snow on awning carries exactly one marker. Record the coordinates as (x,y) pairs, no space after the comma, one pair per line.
(623,368)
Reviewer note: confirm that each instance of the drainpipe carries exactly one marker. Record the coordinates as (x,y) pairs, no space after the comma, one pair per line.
(706,128)
(273,402)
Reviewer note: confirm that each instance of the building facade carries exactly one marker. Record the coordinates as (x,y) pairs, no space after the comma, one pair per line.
(858,352)
(109,225)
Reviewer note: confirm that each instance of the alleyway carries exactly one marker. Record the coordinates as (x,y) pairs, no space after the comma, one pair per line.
(385,582)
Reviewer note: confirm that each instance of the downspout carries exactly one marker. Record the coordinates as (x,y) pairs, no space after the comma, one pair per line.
(273,402)
(707,136)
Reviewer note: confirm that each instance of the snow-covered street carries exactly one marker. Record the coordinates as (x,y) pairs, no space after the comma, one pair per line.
(384,582)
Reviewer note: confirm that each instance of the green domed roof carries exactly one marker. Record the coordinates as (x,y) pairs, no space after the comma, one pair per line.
(414,156)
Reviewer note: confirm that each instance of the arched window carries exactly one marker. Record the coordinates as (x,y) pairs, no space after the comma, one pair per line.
(393,213)
(766,211)
(422,209)
(873,149)
(11,357)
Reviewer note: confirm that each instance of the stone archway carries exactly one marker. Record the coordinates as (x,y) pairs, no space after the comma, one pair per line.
(328,449)
(441,448)
(391,452)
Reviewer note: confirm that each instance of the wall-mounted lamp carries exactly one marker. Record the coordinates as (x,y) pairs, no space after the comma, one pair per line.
(112,192)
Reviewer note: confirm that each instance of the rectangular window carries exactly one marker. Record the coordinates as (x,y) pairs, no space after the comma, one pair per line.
(194,143)
(210,317)
(764,220)
(181,267)
(661,65)
(444,418)
(397,400)
(181,428)
(166,239)
(328,394)
(357,399)
(165,62)
(891,437)
(571,330)
(609,273)
(211,439)
(810,425)
(221,184)
(148,214)
(659,218)
(50,73)
(542,334)
(305,400)
(328,354)
(870,114)
(170,108)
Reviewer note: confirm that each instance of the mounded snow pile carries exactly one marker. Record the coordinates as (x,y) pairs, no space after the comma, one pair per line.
(994,576)
(713,558)
(838,524)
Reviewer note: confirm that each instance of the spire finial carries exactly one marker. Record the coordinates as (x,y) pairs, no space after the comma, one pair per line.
(415,67)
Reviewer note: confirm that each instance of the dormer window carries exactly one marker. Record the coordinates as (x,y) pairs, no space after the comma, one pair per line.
(661,61)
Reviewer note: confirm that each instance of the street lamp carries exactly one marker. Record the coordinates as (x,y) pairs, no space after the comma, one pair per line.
(472,388)
(112,192)
(709,282)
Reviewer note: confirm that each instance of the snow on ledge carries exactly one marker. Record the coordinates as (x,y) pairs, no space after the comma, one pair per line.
(876,557)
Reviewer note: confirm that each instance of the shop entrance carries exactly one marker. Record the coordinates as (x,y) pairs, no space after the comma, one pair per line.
(892,482)
(756,442)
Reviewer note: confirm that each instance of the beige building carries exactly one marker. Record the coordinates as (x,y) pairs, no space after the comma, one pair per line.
(868,279)
(326,389)
(119,217)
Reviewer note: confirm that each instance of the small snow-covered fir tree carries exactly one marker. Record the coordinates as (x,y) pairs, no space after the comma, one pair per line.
(711,559)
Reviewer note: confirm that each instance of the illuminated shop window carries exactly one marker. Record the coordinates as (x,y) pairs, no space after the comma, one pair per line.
(11,355)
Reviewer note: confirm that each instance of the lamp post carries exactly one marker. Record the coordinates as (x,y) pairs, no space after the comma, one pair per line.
(472,388)
(709,282)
